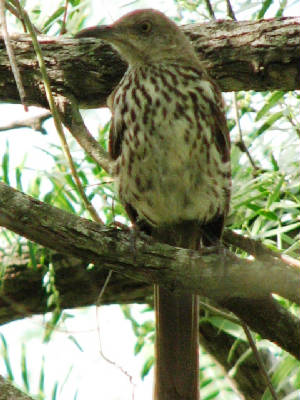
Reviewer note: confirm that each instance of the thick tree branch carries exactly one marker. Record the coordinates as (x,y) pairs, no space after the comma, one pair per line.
(258,55)
(10,392)
(213,272)
(239,285)
(80,287)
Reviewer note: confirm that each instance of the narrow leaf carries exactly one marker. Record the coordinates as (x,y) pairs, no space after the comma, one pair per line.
(275,117)
(52,19)
(147,366)
(5,165)
(264,8)
(271,102)
(24,369)
(6,359)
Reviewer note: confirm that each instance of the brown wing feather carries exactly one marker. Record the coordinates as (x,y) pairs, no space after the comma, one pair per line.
(116,135)
(212,231)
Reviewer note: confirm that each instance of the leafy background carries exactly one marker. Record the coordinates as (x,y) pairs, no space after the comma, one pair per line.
(54,356)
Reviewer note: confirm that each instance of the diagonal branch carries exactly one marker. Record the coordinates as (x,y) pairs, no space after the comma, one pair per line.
(213,272)
(240,285)
(72,119)
(8,391)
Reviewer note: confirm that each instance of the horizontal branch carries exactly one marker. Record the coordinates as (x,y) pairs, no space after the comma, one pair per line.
(240,285)
(258,55)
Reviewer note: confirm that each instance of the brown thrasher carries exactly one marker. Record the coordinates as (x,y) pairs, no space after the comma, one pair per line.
(170,147)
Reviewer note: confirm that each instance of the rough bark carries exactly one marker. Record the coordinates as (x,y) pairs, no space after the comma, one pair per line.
(79,286)
(241,286)
(258,55)
(10,392)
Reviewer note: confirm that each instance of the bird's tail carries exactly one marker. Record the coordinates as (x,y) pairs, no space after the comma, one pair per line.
(177,314)
(176,350)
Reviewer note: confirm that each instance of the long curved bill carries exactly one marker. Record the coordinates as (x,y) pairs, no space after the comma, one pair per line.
(101,32)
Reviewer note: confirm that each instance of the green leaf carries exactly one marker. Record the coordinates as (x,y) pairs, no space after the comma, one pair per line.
(19,179)
(253,207)
(264,8)
(24,369)
(268,214)
(42,377)
(274,163)
(6,359)
(227,326)
(75,341)
(35,187)
(32,252)
(147,366)
(283,371)
(267,125)
(52,324)
(206,382)
(280,230)
(139,345)
(271,102)
(5,165)
(274,195)
(54,391)
(57,13)
(212,395)
(281,8)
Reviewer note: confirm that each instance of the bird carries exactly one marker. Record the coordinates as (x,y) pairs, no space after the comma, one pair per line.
(170,151)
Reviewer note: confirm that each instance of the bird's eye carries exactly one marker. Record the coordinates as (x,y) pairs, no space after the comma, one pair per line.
(146,27)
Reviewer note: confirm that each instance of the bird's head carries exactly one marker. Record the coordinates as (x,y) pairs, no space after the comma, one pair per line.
(145,36)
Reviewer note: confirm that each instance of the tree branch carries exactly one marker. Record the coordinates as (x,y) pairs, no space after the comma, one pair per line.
(72,119)
(240,285)
(213,272)
(258,55)
(35,122)
(79,286)
(9,392)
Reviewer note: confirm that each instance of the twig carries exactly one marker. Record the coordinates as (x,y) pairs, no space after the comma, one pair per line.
(72,119)
(210,9)
(230,11)
(256,248)
(63,25)
(107,359)
(15,13)
(259,360)
(99,299)
(220,313)
(32,122)
(11,56)
(241,143)
(56,116)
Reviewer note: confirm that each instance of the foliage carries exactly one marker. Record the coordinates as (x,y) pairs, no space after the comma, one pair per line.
(265,200)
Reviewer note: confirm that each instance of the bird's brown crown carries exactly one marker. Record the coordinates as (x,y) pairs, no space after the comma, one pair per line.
(146,36)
